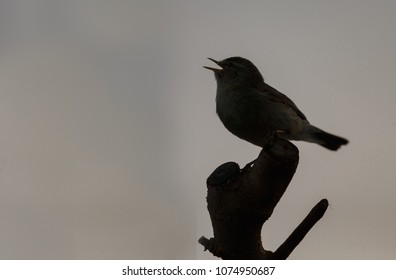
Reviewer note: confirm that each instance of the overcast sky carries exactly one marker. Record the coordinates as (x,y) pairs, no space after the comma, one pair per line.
(108,125)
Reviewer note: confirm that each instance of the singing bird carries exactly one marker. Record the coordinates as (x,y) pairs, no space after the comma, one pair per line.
(256,112)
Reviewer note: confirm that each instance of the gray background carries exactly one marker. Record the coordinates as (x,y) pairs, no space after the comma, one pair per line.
(108,124)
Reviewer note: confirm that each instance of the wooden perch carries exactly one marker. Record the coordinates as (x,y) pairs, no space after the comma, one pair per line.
(241,200)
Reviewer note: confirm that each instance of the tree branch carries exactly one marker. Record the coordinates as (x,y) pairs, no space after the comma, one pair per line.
(241,200)
(299,233)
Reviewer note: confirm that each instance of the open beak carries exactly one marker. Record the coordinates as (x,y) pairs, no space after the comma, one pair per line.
(214,69)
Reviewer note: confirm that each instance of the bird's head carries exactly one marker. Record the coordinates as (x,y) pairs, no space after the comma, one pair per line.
(236,71)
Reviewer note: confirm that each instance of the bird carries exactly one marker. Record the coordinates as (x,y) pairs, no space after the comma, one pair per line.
(256,112)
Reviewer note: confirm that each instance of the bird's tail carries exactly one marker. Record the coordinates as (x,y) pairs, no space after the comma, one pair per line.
(327,140)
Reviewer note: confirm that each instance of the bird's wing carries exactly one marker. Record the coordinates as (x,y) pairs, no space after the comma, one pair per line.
(276,96)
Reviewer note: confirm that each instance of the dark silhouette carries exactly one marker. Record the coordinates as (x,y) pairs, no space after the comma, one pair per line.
(241,200)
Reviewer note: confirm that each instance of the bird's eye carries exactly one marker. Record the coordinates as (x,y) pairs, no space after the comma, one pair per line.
(230,65)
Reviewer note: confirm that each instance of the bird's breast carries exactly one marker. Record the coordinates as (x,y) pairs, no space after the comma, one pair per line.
(227,106)
(241,113)
(236,110)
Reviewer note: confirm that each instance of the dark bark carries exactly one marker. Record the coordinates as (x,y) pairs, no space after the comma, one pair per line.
(241,200)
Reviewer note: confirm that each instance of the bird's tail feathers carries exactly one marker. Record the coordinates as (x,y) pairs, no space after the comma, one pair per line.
(327,140)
